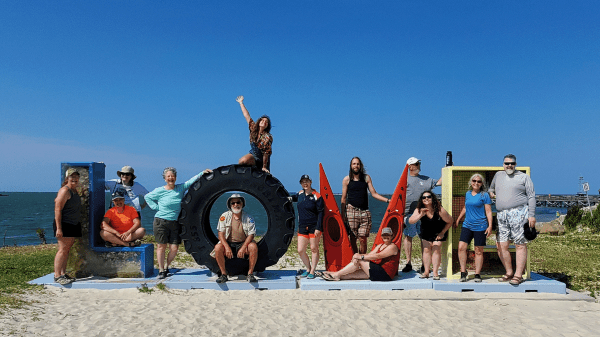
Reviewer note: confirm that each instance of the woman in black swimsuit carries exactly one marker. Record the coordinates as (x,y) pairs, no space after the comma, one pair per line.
(435,222)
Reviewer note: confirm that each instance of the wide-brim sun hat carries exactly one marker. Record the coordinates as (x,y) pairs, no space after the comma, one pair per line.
(126,169)
(236,196)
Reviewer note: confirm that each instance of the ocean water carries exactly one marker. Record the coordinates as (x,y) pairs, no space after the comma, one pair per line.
(21,213)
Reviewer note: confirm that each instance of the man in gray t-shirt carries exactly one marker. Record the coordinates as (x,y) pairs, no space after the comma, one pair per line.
(515,205)
(416,185)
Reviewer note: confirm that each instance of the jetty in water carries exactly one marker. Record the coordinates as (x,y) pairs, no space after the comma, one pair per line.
(565,200)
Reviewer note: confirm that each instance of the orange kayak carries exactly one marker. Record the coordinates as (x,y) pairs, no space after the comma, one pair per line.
(338,251)
(394,214)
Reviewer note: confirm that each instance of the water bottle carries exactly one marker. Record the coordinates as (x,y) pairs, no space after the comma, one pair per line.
(449,158)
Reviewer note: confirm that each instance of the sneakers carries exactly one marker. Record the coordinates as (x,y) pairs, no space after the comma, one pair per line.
(422,270)
(305,274)
(222,279)
(310,276)
(477,278)
(407,268)
(464,276)
(63,280)
(250,278)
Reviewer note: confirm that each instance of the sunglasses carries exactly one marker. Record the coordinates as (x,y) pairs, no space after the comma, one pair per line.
(125,174)
(513,163)
(476,181)
(236,202)
(426,197)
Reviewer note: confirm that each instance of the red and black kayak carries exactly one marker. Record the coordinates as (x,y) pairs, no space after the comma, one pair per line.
(394,214)
(336,244)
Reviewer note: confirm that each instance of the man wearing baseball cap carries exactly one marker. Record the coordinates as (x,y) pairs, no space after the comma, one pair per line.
(236,238)
(417,184)
(134,192)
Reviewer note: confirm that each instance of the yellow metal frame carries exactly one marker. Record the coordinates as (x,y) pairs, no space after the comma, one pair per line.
(452,242)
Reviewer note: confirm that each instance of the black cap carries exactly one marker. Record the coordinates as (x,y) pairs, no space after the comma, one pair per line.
(529,232)
(118,194)
(305,176)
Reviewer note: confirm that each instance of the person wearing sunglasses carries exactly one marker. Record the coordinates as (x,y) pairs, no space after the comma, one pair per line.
(435,222)
(515,205)
(134,191)
(166,201)
(478,224)
(416,185)
(236,240)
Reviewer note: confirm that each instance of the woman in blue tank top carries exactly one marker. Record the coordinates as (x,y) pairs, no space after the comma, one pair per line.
(478,224)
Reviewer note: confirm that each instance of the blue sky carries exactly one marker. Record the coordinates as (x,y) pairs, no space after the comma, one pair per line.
(153,84)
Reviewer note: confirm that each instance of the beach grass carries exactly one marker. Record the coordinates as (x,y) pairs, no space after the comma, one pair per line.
(573,258)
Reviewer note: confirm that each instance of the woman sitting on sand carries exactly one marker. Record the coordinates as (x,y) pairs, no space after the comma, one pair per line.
(260,140)
(478,224)
(166,200)
(381,264)
(435,222)
(67,224)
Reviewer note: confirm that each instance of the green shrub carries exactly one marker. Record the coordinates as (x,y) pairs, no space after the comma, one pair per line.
(592,220)
(573,217)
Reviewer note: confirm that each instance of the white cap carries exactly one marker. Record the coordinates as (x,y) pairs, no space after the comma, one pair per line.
(413,160)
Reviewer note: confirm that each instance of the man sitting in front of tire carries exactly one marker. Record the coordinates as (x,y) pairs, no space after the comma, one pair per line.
(236,237)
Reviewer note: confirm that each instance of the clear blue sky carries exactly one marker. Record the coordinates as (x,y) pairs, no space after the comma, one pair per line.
(153,84)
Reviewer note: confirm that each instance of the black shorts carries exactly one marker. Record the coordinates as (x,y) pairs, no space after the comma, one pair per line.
(377,273)
(431,237)
(166,231)
(466,235)
(235,248)
(69,230)
(306,229)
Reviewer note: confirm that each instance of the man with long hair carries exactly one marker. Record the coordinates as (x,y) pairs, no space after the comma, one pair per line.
(355,204)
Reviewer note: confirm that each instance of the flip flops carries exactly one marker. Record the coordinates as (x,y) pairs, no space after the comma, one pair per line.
(328,277)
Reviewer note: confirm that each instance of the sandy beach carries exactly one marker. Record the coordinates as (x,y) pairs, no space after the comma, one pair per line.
(128,312)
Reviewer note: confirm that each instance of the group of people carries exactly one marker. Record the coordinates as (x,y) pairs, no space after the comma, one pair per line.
(424,216)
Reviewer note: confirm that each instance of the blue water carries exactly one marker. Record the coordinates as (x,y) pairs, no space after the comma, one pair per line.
(21,213)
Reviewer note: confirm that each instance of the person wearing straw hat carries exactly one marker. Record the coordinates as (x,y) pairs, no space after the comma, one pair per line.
(134,191)
(121,225)
(236,238)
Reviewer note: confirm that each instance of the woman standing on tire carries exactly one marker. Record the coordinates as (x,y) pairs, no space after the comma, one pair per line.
(260,140)
(478,224)
(310,216)
(67,224)
(435,222)
(166,200)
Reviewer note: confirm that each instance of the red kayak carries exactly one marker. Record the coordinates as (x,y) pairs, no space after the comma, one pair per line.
(394,214)
(338,251)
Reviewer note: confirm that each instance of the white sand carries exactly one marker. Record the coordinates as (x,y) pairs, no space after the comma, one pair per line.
(128,312)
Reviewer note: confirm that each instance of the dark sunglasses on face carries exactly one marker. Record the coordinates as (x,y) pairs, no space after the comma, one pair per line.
(125,174)
(476,181)
(236,202)
(510,163)
(426,197)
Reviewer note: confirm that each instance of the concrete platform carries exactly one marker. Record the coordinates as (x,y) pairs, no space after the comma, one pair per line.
(404,281)
(183,279)
(537,283)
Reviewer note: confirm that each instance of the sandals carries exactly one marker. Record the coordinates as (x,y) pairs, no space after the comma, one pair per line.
(424,276)
(516,280)
(505,278)
(135,243)
(328,277)
(250,278)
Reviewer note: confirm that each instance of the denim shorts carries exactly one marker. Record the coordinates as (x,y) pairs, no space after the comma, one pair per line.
(412,230)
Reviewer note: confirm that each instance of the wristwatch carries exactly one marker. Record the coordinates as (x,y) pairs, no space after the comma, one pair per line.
(362,257)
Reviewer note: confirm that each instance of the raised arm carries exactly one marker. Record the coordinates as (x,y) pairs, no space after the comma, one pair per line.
(373,192)
(240,99)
